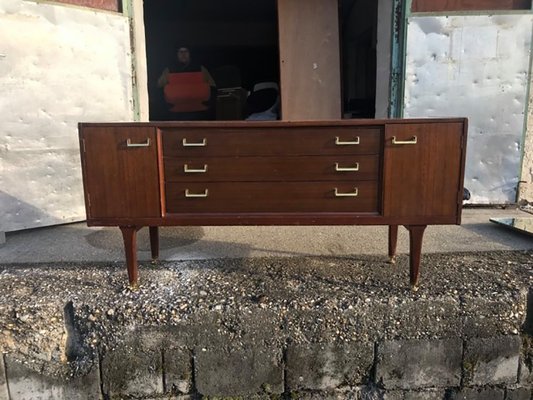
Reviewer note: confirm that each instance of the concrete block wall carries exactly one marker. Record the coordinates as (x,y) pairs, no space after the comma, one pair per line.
(498,368)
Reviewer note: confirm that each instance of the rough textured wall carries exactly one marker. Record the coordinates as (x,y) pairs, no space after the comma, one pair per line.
(59,65)
(476,67)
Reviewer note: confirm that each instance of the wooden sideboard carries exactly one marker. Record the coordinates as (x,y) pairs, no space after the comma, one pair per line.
(345,172)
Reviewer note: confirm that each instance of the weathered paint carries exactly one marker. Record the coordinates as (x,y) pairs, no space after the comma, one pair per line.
(134,9)
(59,65)
(399,22)
(525,189)
(477,67)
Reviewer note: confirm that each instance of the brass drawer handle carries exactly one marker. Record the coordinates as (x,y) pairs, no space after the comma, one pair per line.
(412,141)
(189,194)
(145,144)
(349,194)
(346,169)
(338,141)
(188,170)
(194,144)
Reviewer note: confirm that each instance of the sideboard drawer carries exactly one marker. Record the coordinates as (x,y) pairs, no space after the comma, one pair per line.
(293,168)
(193,142)
(244,197)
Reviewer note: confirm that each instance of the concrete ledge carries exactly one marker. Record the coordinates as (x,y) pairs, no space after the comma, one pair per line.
(310,328)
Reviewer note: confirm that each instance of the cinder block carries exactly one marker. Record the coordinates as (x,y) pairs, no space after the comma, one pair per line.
(518,394)
(418,364)
(492,361)
(412,395)
(371,392)
(327,367)
(526,361)
(4,395)
(178,370)
(132,370)
(353,394)
(221,372)
(24,383)
(526,374)
(478,394)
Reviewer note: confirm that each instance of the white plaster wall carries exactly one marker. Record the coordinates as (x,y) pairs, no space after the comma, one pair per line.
(59,65)
(477,67)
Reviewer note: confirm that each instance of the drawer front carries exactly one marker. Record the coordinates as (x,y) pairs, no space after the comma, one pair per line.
(197,142)
(294,168)
(243,197)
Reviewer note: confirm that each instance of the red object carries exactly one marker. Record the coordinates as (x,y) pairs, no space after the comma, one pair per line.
(187,92)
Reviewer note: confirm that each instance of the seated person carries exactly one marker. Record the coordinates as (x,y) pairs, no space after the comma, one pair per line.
(188,89)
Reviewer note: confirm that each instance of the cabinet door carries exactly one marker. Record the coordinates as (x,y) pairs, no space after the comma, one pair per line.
(120,166)
(424,179)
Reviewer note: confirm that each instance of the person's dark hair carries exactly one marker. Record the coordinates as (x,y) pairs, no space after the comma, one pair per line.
(182,46)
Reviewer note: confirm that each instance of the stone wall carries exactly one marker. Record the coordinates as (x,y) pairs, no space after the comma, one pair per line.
(153,364)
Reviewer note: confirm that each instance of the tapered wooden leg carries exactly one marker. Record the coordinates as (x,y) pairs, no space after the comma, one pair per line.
(393,240)
(416,233)
(154,242)
(129,234)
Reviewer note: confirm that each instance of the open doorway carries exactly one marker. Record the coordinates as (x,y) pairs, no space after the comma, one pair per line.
(235,40)
(358,26)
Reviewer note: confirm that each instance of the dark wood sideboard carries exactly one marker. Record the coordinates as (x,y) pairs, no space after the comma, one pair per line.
(345,172)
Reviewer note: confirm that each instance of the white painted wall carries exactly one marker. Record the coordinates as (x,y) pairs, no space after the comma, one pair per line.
(476,67)
(59,65)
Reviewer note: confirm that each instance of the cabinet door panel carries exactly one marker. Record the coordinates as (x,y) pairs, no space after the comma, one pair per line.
(424,179)
(121,178)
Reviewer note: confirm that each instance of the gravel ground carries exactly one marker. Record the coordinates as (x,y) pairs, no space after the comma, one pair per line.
(56,318)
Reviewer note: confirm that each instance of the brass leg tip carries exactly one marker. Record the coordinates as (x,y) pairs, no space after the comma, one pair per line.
(414,287)
(134,287)
(155,260)
(392,260)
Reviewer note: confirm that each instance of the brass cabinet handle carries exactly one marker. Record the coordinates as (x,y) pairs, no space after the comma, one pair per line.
(188,170)
(349,194)
(339,142)
(194,144)
(412,141)
(145,144)
(345,169)
(189,194)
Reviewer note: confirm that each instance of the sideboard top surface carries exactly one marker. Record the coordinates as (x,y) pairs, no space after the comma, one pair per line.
(272,124)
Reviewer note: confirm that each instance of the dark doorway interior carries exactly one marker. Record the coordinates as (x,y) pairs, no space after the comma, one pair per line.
(236,40)
(358,54)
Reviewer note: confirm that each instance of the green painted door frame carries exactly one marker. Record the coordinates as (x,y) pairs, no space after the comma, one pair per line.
(399,31)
